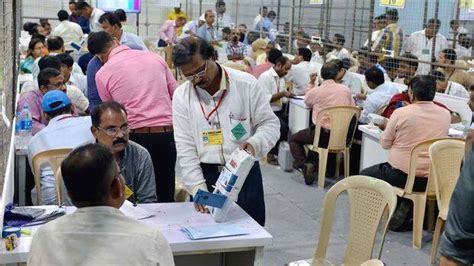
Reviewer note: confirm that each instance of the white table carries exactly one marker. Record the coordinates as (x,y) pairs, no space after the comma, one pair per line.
(371,152)
(299,115)
(238,250)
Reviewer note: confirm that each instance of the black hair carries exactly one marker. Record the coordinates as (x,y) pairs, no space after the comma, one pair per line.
(184,51)
(73,3)
(450,54)
(97,112)
(438,75)
(410,63)
(110,18)
(453,21)
(88,172)
(390,63)
(340,38)
(260,9)
(34,29)
(282,60)
(99,42)
(375,75)
(226,30)
(423,87)
(220,3)
(305,53)
(273,55)
(44,22)
(63,15)
(392,14)
(329,70)
(83,5)
(28,26)
(121,14)
(434,21)
(49,61)
(55,43)
(271,13)
(381,17)
(39,36)
(46,74)
(32,44)
(66,59)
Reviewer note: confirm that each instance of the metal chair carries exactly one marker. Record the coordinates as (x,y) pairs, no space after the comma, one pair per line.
(446,159)
(54,159)
(370,200)
(340,139)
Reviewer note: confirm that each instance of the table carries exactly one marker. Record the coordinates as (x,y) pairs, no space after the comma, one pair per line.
(299,115)
(371,152)
(21,159)
(238,250)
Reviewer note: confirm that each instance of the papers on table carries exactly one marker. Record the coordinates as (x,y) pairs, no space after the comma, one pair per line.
(134,212)
(213,231)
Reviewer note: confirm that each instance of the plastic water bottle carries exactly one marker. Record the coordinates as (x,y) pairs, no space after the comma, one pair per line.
(26,128)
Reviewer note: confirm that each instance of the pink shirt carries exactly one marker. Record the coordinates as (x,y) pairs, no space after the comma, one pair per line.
(409,126)
(328,94)
(258,70)
(168,31)
(142,82)
(33,100)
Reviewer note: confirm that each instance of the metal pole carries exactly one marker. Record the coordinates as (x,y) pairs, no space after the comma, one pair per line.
(371,19)
(299,14)
(278,14)
(200,6)
(138,24)
(425,13)
(328,19)
(236,13)
(292,21)
(433,49)
(458,9)
(353,22)
(147,24)
(321,19)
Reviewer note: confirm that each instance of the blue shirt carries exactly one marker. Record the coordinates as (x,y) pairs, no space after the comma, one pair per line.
(264,23)
(82,21)
(129,39)
(208,33)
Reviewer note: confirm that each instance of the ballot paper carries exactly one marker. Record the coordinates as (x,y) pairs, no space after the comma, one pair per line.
(213,231)
(134,212)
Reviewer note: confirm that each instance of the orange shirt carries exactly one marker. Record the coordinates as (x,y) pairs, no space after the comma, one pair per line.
(328,94)
(409,126)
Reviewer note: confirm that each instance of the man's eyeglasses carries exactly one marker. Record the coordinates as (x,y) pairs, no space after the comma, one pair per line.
(56,85)
(199,74)
(113,131)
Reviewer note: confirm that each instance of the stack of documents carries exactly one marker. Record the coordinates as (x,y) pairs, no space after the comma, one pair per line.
(213,231)
(134,212)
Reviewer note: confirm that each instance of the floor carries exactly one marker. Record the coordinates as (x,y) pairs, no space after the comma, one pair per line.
(293,212)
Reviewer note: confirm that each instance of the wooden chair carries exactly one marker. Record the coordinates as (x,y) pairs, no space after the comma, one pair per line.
(419,198)
(446,158)
(370,200)
(341,118)
(53,158)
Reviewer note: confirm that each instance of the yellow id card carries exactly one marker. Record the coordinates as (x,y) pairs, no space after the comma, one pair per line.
(128,192)
(212,137)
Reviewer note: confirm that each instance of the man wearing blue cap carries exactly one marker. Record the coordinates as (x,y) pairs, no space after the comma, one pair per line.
(62,132)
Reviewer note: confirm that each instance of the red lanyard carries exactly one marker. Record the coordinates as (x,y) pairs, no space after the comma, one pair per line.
(215,108)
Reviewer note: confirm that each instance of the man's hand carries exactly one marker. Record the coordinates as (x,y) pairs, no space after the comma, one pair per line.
(201,208)
(312,78)
(361,96)
(287,94)
(248,147)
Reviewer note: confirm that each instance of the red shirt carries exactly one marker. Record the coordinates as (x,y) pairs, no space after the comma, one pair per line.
(397,102)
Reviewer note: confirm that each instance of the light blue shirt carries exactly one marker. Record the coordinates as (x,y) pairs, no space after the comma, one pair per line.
(377,99)
(208,33)
(133,41)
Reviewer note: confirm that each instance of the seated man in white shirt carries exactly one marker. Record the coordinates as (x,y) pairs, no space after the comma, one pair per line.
(300,71)
(349,78)
(339,52)
(380,97)
(71,78)
(63,131)
(448,87)
(97,233)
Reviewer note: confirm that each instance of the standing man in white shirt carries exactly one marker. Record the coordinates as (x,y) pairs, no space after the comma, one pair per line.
(63,131)
(273,85)
(420,44)
(97,228)
(300,71)
(92,13)
(69,31)
(262,13)
(229,105)
(443,85)
(222,18)
(191,28)
(455,29)
(381,95)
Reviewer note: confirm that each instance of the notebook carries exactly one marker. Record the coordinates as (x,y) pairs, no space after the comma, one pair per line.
(213,231)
